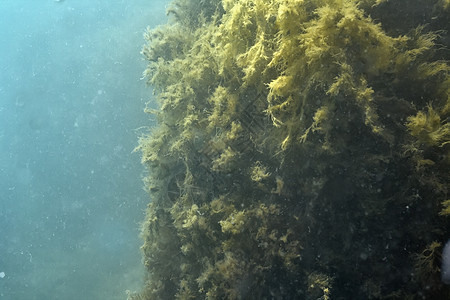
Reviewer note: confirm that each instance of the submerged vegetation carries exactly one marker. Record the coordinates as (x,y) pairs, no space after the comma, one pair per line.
(302,150)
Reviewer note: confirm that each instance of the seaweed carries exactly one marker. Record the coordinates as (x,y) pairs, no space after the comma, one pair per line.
(302,151)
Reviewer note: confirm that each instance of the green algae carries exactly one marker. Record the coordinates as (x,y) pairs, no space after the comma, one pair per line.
(301,152)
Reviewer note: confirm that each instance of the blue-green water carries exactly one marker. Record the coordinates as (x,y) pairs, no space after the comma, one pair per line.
(71,101)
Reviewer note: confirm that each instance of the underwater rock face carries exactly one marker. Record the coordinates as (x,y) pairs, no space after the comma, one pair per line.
(302,150)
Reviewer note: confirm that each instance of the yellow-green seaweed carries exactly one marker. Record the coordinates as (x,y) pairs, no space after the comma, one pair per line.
(302,150)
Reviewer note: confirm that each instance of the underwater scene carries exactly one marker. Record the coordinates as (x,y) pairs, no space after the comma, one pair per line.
(71,111)
(302,150)
(225,149)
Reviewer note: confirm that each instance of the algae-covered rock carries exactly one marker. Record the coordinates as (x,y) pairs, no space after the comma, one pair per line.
(302,150)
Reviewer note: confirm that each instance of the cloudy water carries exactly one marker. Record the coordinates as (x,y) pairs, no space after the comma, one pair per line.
(71,103)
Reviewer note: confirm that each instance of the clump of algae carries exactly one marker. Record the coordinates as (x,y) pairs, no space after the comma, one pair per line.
(428,128)
(301,152)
